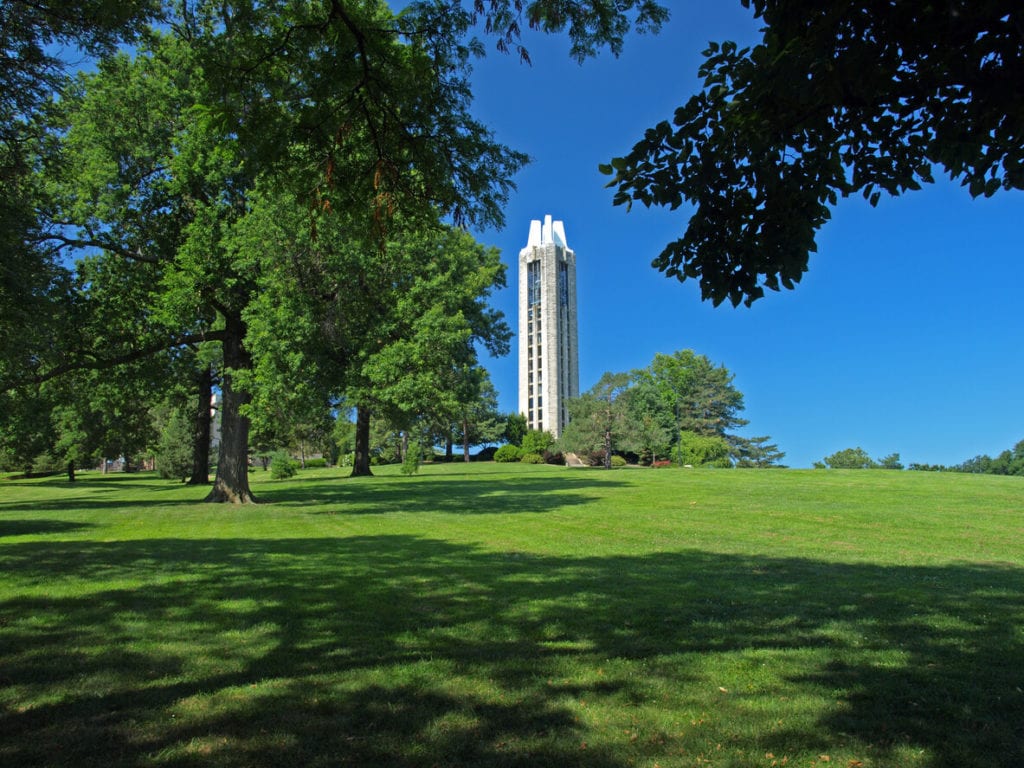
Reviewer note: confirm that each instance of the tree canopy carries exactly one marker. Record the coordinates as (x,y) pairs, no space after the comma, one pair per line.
(681,404)
(146,172)
(837,99)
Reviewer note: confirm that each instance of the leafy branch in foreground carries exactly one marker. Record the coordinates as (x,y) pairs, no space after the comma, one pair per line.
(837,99)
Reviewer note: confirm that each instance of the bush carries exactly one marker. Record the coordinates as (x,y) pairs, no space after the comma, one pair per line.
(537,442)
(661,463)
(508,453)
(532,458)
(618,461)
(554,457)
(485,454)
(282,466)
(317,463)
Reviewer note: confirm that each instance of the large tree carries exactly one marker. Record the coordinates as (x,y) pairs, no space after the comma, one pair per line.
(840,98)
(334,100)
(699,394)
(354,109)
(394,327)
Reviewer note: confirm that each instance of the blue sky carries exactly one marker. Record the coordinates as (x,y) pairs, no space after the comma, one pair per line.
(904,336)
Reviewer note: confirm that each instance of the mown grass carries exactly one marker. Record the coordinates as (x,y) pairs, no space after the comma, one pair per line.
(496,615)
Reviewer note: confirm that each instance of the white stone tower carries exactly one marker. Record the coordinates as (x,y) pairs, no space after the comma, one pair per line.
(548,340)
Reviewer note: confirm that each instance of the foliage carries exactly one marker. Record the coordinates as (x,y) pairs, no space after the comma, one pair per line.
(532,458)
(598,418)
(282,465)
(756,452)
(508,453)
(617,461)
(173,451)
(537,441)
(411,460)
(1008,462)
(702,450)
(515,428)
(848,458)
(478,420)
(876,95)
(892,461)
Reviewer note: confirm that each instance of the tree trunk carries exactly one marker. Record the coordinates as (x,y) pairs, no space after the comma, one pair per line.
(361,460)
(607,449)
(465,440)
(449,447)
(71,471)
(232,481)
(201,428)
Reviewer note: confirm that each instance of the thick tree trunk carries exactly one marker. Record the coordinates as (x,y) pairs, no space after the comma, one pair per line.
(361,460)
(449,447)
(71,471)
(465,440)
(201,429)
(232,481)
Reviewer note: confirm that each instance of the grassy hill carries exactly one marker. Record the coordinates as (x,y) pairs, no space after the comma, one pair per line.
(511,615)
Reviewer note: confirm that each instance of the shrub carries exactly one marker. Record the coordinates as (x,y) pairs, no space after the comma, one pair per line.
(532,458)
(485,454)
(702,450)
(317,463)
(618,461)
(282,466)
(508,453)
(554,457)
(662,463)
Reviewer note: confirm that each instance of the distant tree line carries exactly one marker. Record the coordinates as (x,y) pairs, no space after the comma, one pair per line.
(1009,462)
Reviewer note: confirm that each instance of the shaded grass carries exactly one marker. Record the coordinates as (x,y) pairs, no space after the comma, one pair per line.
(514,616)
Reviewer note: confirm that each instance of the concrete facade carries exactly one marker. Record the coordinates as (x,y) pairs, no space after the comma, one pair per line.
(548,338)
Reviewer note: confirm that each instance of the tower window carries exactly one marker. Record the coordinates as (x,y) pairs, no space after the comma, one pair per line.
(533,283)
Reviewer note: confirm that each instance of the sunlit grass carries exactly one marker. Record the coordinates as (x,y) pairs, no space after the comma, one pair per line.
(518,615)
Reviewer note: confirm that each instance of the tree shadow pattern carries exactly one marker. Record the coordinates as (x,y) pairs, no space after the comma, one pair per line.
(406,651)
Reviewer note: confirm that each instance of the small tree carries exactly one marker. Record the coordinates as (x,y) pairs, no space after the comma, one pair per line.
(282,466)
(515,429)
(173,451)
(411,462)
(892,461)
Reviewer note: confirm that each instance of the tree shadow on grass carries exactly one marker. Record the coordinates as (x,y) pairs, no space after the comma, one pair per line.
(456,494)
(407,651)
(38,527)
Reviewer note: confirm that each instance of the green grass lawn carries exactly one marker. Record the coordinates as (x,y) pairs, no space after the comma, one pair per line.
(510,615)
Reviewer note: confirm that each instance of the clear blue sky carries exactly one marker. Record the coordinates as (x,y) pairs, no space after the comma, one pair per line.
(906,334)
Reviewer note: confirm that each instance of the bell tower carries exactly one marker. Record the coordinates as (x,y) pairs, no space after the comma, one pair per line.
(548,338)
